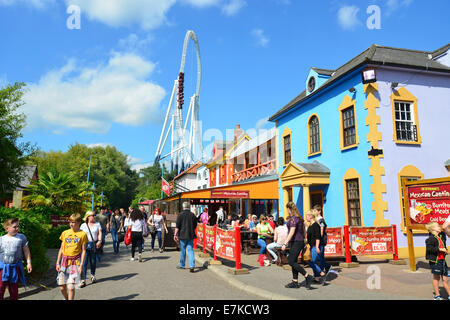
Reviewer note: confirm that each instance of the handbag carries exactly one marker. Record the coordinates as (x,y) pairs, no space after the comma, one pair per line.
(121,236)
(306,254)
(91,244)
(152,227)
(127,239)
(145,232)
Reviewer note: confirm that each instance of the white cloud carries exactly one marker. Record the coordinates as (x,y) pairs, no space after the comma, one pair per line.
(393,5)
(261,39)
(233,6)
(133,43)
(92,98)
(99,144)
(347,17)
(148,14)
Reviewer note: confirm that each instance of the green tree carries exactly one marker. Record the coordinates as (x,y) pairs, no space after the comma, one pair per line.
(109,170)
(13,153)
(60,191)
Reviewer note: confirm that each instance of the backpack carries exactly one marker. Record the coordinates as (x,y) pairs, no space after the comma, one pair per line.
(325,236)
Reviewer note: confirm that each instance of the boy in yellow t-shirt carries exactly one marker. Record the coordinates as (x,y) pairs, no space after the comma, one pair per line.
(71,256)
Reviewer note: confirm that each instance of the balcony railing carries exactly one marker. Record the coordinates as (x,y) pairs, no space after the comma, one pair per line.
(258,170)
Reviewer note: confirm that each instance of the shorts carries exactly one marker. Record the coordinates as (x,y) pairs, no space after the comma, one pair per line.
(70,275)
(440,268)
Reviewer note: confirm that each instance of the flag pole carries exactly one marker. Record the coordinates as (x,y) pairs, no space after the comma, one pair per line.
(162,177)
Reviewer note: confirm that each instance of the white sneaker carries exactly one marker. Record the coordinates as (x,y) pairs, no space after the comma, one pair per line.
(132,259)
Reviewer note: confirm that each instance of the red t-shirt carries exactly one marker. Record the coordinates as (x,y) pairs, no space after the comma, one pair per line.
(441,255)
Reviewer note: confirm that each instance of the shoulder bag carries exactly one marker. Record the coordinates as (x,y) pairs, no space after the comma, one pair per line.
(91,245)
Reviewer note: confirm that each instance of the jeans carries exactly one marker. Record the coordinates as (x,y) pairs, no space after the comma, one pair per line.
(136,242)
(294,251)
(115,239)
(91,259)
(189,245)
(271,246)
(157,233)
(262,243)
(317,258)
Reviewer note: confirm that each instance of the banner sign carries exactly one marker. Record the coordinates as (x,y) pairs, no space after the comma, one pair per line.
(334,247)
(429,203)
(165,187)
(372,240)
(200,227)
(225,246)
(59,220)
(209,235)
(230,194)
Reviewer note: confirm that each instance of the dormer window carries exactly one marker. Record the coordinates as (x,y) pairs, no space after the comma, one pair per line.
(311,84)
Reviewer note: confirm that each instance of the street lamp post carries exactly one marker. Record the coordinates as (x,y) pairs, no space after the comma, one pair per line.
(93,195)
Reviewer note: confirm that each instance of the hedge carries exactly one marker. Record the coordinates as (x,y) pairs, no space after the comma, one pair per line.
(35,224)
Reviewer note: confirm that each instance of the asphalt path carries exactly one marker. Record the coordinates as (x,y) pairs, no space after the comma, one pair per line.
(155,278)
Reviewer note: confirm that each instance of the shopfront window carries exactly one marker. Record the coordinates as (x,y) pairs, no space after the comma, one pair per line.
(353,202)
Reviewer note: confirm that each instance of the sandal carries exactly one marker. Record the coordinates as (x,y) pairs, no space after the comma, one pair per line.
(93,280)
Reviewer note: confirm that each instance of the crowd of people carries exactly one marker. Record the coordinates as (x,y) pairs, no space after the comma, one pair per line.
(82,244)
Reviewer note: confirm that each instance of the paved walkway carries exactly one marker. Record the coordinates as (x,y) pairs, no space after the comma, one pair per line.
(396,281)
(157,278)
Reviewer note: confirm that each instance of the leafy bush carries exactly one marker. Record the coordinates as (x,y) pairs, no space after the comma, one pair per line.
(52,240)
(36,233)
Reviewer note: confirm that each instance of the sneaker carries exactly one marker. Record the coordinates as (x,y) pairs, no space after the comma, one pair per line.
(309,280)
(132,259)
(140,257)
(191,270)
(437,298)
(274,260)
(293,285)
(93,280)
(181,268)
(151,251)
(161,250)
(82,284)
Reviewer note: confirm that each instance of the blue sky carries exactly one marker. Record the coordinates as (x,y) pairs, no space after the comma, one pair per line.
(109,82)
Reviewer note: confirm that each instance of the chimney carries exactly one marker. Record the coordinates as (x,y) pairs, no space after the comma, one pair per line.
(237,132)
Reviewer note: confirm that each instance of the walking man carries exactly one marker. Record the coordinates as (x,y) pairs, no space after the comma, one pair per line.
(102,218)
(185,235)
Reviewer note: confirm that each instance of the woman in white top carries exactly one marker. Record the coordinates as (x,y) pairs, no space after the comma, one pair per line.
(279,238)
(156,220)
(94,234)
(137,228)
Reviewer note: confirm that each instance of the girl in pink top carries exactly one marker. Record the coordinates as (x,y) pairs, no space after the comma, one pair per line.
(204,218)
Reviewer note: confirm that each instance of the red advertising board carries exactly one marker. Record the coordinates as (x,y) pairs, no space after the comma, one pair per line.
(200,227)
(372,240)
(230,194)
(429,203)
(334,247)
(59,220)
(209,235)
(225,246)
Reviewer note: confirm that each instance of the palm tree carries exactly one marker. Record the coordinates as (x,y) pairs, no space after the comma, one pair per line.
(60,190)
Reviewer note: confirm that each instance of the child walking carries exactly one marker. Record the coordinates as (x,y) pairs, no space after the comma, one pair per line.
(436,250)
(71,255)
(11,267)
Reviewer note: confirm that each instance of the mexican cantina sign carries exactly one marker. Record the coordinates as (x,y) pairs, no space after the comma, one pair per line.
(429,203)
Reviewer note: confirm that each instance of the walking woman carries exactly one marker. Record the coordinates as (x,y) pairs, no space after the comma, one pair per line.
(263,229)
(157,220)
(137,227)
(116,224)
(315,241)
(93,231)
(296,241)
